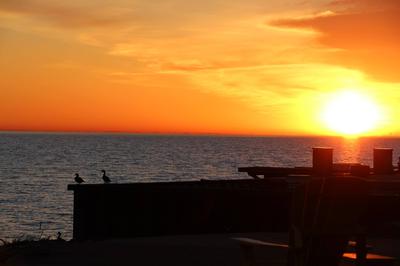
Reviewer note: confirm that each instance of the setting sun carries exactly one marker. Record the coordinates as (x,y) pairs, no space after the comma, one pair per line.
(246,67)
(351,113)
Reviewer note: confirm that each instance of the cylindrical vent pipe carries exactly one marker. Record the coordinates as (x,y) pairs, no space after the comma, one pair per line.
(383,161)
(322,161)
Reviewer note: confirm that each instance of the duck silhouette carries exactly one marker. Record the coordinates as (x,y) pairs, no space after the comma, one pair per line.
(106,179)
(78,179)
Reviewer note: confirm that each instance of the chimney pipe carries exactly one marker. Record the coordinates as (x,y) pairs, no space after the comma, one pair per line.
(383,161)
(322,161)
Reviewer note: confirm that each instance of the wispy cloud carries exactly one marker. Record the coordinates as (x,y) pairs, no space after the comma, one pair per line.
(65,14)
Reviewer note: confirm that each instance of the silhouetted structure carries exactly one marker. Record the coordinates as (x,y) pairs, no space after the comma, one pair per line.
(322,161)
(398,164)
(106,179)
(172,208)
(383,161)
(78,179)
(322,207)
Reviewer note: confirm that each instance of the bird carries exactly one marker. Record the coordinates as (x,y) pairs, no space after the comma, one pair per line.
(78,179)
(59,238)
(106,179)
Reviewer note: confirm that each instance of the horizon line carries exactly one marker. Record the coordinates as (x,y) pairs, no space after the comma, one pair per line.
(110,132)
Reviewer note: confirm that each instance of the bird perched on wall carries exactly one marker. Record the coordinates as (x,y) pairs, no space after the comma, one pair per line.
(59,238)
(106,179)
(78,179)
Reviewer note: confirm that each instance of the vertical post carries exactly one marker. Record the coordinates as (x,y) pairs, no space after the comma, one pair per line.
(383,161)
(78,212)
(322,161)
(296,252)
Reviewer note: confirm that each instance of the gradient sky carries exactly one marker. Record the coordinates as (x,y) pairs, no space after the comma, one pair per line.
(181,66)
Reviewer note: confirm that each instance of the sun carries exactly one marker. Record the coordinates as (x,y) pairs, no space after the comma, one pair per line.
(351,113)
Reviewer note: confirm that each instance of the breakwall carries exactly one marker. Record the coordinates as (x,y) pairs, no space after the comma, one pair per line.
(196,207)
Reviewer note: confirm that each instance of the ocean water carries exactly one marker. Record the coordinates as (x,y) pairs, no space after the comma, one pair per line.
(35,169)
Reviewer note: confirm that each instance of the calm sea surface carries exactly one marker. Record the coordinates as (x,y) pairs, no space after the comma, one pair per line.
(35,169)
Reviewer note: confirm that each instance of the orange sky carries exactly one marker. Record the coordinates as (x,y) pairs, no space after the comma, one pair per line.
(179,66)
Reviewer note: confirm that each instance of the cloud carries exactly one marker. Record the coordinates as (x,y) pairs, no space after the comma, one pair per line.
(67,15)
(141,13)
(262,85)
(364,33)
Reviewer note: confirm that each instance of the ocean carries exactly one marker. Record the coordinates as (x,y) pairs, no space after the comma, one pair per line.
(35,169)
